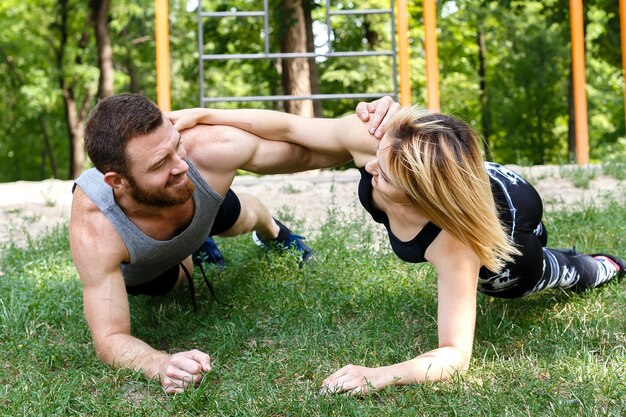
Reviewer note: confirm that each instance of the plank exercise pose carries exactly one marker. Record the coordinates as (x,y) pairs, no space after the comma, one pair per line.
(151,201)
(477,222)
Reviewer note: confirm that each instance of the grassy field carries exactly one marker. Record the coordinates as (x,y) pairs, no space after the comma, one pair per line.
(278,331)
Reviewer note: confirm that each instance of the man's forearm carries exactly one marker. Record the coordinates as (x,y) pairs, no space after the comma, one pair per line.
(126,351)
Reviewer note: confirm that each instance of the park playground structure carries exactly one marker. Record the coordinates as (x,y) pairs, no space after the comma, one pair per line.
(402,83)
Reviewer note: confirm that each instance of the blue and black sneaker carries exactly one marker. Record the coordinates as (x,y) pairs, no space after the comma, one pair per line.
(209,253)
(286,239)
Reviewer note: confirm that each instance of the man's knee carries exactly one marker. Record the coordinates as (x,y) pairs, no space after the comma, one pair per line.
(248,216)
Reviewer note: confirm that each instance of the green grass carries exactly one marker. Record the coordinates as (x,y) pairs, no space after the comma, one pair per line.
(615,169)
(580,176)
(278,331)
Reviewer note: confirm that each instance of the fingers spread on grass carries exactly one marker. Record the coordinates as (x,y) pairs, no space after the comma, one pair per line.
(350,379)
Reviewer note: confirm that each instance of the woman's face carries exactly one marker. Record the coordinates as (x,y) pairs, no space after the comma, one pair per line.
(381,180)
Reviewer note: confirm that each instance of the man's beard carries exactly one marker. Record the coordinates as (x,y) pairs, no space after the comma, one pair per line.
(162,197)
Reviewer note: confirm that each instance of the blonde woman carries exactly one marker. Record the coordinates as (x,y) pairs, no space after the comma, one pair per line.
(477,222)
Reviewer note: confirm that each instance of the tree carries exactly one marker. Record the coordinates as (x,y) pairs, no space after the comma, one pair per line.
(296,72)
(100,16)
(77,97)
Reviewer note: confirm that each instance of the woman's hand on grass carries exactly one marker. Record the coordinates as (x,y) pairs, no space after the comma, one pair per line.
(182,370)
(356,380)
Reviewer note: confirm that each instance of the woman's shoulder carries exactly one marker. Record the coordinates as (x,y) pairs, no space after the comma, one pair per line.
(447,251)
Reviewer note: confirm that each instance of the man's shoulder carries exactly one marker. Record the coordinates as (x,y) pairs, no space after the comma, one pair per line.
(82,206)
(88,224)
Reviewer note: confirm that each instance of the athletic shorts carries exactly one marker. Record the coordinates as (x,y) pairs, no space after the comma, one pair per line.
(226,217)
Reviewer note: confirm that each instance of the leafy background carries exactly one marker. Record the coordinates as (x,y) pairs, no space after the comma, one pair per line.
(523,109)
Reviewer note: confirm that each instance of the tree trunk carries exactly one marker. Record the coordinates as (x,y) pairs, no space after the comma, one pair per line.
(133,76)
(295,71)
(48,148)
(571,122)
(75,118)
(76,127)
(310,47)
(100,13)
(485,112)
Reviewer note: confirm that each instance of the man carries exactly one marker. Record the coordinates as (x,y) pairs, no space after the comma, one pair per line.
(151,201)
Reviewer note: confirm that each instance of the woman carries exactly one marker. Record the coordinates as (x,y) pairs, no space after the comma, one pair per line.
(477,222)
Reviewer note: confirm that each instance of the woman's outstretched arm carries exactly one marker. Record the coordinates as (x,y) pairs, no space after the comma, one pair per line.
(341,136)
(457,269)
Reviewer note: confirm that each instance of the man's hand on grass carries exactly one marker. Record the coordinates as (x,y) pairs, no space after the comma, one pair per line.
(184,369)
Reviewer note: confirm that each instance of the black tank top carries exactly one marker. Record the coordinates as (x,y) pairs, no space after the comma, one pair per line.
(414,249)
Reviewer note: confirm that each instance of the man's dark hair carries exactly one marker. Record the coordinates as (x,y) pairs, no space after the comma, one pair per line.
(112,123)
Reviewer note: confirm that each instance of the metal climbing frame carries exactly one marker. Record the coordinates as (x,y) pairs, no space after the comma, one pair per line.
(202,15)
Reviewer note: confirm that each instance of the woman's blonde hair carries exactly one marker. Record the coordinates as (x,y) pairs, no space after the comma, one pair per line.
(437,160)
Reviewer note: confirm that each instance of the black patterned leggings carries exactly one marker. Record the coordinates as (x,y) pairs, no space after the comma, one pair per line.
(537,268)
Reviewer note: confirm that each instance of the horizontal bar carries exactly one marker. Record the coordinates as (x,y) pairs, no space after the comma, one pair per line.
(359,12)
(330,13)
(217,57)
(279,98)
(231,14)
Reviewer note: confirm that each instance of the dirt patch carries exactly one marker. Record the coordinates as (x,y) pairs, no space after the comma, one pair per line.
(31,208)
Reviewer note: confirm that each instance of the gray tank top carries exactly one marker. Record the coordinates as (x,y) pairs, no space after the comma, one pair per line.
(149,258)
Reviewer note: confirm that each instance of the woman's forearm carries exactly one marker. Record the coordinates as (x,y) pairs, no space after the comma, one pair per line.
(267,124)
(320,135)
(435,365)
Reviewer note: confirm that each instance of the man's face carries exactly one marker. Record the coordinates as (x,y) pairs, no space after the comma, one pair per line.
(158,173)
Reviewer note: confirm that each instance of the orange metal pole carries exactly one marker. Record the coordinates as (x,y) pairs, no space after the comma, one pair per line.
(403,53)
(578,72)
(432,67)
(162,54)
(622,25)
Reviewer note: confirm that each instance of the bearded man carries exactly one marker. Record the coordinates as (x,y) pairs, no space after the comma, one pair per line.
(152,200)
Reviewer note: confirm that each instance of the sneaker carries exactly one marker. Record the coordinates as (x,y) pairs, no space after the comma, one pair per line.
(286,240)
(619,263)
(209,253)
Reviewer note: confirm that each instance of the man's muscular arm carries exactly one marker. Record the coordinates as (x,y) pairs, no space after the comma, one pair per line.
(106,308)
(219,151)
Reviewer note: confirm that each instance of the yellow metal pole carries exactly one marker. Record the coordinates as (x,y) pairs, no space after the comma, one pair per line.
(578,72)
(403,53)
(162,55)
(622,25)
(432,67)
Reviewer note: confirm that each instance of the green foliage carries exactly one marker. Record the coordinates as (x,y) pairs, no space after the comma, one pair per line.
(29,89)
(278,331)
(527,76)
(527,52)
